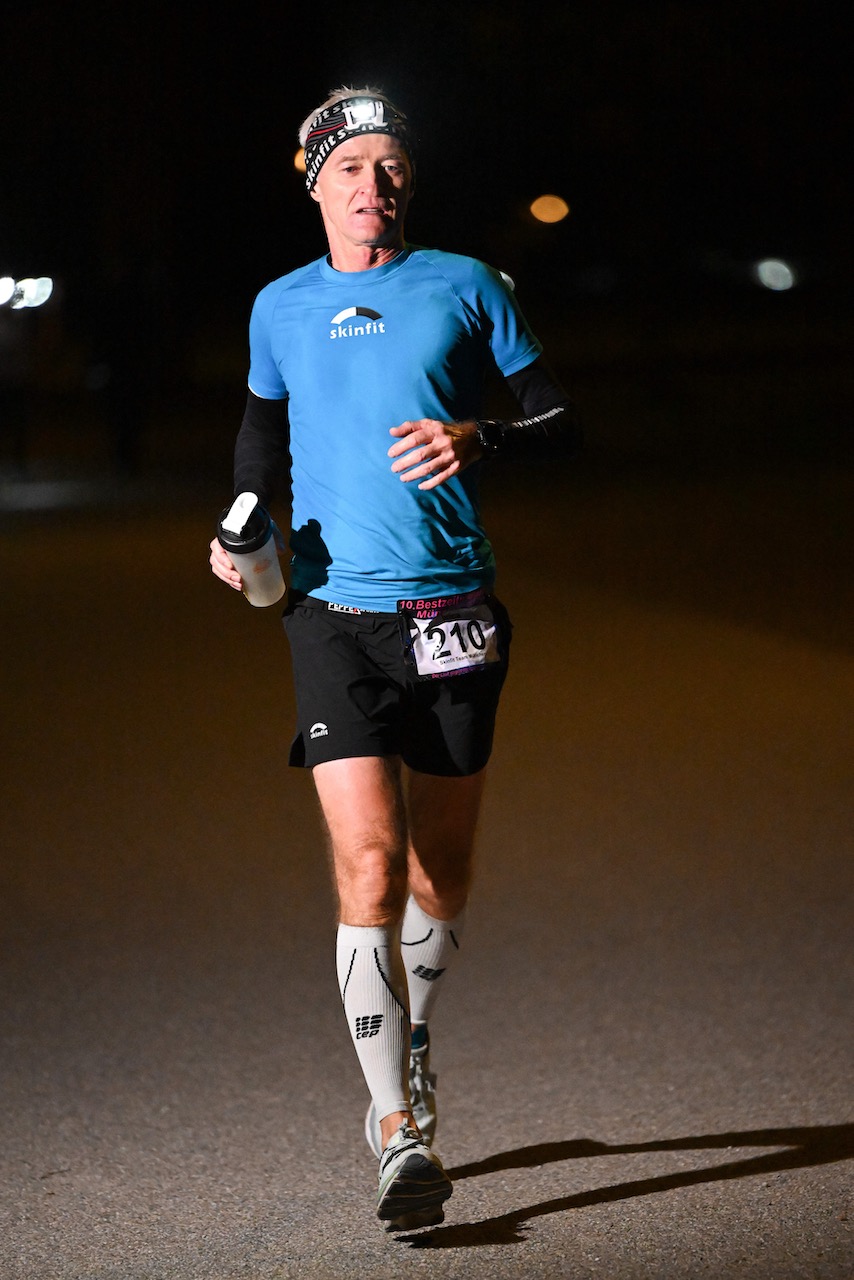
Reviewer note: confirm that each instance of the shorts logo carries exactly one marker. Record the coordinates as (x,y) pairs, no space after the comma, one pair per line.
(368,1026)
(318,730)
(366,322)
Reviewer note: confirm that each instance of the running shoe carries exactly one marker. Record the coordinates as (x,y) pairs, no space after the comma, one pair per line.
(413,1186)
(422,1099)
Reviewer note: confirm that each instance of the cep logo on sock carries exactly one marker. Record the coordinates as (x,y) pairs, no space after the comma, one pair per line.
(368,1026)
(429,975)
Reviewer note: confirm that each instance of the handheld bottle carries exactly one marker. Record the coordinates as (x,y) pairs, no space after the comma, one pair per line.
(245,530)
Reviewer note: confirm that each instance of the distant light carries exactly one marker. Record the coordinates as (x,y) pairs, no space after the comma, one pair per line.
(775,274)
(549,209)
(31,293)
(299,160)
(7,288)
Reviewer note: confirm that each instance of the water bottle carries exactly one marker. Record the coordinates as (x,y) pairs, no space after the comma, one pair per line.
(245,530)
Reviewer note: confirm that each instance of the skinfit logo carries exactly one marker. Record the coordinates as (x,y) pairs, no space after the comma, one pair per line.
(356,322)
(318,730)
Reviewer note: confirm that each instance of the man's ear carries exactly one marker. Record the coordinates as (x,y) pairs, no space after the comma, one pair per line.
(315,195)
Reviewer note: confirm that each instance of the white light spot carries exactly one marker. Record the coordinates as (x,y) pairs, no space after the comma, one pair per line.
(7,288)
(775,274)
(31,293)
(368,112)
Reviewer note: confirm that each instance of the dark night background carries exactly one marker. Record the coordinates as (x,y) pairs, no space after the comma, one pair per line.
(645,1063)
(148,167)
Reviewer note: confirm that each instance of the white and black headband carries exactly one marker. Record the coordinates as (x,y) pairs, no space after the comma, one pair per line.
(360,114)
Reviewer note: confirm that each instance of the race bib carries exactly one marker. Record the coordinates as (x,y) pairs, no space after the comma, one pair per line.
(450,635)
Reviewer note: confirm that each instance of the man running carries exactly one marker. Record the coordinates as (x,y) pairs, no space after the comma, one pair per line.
(366,371)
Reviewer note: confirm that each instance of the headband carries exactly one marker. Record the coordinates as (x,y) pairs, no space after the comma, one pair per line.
(335,124)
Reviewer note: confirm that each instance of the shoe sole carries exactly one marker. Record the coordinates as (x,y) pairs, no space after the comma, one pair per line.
(412,1221)
(415,1196)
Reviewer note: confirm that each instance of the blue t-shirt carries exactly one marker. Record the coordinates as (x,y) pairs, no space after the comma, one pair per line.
(357,353)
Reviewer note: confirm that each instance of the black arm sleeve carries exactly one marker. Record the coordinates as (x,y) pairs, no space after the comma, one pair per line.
(261,450)
(551,416)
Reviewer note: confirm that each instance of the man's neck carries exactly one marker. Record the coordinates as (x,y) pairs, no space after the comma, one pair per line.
(350,257)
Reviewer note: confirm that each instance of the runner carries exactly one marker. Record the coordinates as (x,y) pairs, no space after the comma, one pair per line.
(367,370)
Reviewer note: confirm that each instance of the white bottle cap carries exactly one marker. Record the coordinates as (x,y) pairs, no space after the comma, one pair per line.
(241,510)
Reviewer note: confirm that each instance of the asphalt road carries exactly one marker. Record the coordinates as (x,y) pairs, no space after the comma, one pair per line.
(645,1053)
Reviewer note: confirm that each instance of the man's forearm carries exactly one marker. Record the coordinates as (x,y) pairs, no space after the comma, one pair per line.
(261,448)
(550,416)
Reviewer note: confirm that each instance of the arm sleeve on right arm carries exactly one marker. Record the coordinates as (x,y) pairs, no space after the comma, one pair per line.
(261,448)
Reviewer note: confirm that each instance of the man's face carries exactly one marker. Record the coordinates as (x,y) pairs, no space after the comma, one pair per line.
(363,191)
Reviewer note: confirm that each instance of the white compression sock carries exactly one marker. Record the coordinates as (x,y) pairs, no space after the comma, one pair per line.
(372,982)
(428,947)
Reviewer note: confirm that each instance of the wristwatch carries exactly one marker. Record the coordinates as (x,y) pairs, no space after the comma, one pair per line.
(489,433)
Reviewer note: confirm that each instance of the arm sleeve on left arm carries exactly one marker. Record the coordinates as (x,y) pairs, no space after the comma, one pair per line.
(550,418)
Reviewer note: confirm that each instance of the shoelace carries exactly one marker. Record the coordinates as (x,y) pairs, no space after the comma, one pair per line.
(410,1139)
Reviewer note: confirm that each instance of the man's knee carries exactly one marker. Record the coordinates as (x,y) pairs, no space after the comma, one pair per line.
(371,879)
(442,896)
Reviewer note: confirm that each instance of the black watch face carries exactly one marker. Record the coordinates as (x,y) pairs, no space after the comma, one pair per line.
(489,435)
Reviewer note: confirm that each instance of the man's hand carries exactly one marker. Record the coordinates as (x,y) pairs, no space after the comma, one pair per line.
(431,449)
(223,566)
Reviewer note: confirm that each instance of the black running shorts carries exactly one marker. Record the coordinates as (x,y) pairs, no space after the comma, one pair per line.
(355,695)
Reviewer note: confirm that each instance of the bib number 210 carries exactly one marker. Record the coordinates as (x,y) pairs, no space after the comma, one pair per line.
(454,641)
(466,637)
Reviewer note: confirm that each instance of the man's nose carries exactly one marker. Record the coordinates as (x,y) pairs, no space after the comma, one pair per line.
(378,177)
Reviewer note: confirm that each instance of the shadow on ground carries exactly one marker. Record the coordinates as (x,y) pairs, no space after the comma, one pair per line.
(803,1148)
